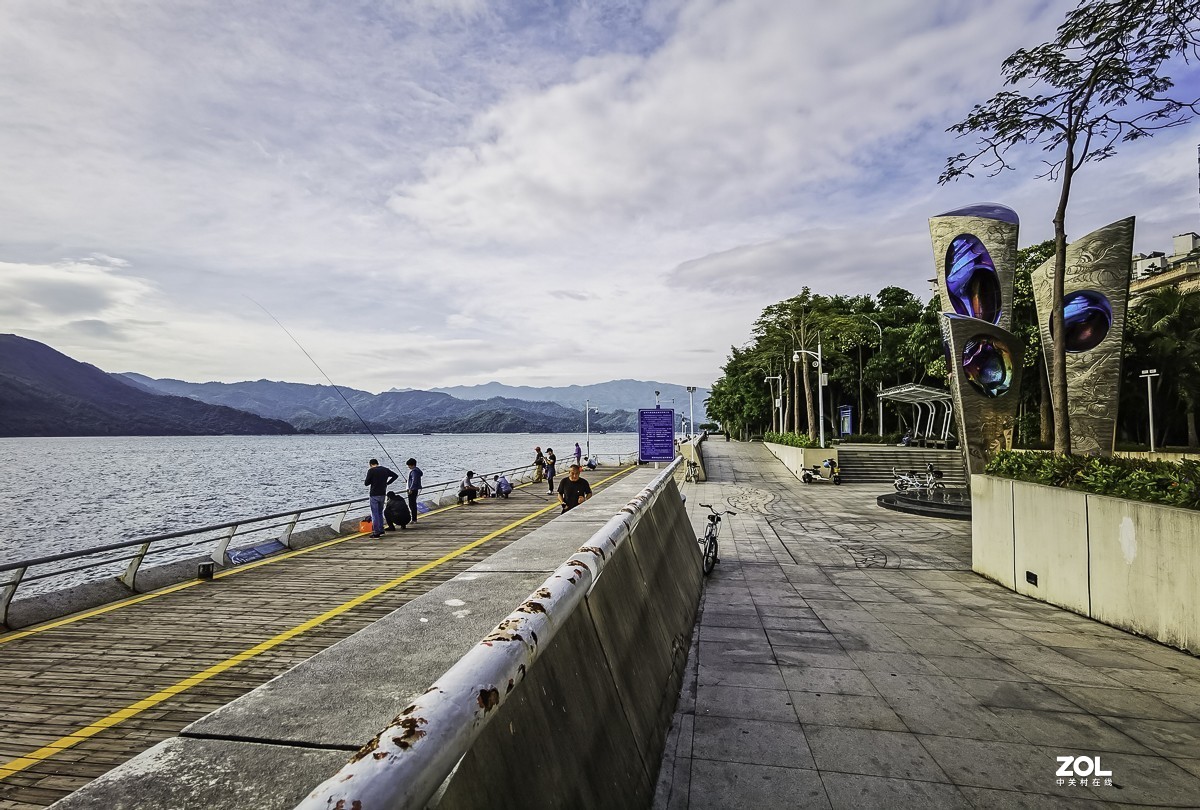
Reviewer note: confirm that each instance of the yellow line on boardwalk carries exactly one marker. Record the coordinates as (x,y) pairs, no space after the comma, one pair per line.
(63,743)
(133,600)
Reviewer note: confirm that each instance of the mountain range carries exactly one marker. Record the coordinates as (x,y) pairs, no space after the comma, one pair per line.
(322,409)
(45,393)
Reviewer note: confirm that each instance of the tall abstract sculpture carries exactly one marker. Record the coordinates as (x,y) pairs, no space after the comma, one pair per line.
(1095,303)
(975,254)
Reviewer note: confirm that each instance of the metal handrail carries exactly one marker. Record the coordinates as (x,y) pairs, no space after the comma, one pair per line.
(227,532)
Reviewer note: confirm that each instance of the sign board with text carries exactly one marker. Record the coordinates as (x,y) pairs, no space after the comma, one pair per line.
(656,434)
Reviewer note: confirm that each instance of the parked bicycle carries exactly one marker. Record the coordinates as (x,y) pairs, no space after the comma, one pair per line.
(693,472)
(912,480)
(709,540)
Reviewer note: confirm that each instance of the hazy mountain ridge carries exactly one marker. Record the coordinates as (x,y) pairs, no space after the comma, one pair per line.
(45,393)
(320,409)
(626,395)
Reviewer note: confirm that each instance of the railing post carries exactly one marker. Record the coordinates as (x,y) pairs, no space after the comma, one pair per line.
(130,575)
(10,590)
(220,554)
(286,537)
(340,519)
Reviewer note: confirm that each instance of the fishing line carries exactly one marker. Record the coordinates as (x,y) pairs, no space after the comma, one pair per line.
(331,383)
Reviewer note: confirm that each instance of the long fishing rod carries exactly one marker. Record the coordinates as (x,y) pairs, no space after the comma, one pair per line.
(331,383)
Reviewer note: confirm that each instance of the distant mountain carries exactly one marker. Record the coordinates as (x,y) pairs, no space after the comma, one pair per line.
(320,409)
(628,395)
(45,393)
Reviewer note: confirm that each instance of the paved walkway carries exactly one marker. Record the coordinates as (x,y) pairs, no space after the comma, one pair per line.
(847,657)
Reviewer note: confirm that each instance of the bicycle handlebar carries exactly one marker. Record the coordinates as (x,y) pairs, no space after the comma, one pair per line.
(709,507)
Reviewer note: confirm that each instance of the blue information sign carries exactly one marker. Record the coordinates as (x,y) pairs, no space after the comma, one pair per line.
(656,434)
(846,417)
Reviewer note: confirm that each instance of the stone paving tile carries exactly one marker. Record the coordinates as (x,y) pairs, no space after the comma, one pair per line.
(744,702)
(828,681)
(723,785)
(820,679)
(856,790)
(846,711)
(893,754)
(757,742)
(758,676)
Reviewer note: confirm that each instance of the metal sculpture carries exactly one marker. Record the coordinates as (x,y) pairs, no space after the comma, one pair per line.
(975,256)
(1095,305)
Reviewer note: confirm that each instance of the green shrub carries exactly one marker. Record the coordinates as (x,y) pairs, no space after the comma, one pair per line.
(1161,482)
(790,439)
(861,438)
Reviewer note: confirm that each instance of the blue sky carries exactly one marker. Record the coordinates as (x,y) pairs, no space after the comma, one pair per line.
(448,192)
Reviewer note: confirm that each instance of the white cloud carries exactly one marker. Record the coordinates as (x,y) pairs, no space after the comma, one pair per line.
(432,192)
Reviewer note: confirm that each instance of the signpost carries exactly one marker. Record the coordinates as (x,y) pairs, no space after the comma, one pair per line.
(1150,373)
(656,434)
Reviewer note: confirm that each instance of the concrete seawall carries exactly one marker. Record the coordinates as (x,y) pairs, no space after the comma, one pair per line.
(587,724)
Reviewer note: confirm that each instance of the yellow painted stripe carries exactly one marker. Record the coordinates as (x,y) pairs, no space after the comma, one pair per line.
(133,600)
(63,743)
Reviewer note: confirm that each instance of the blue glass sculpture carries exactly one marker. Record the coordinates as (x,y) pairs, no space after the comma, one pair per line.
(1088,316)
(988,364)
(971,280)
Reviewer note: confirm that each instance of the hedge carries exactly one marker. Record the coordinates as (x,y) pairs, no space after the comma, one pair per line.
(790,439)
(1164,482)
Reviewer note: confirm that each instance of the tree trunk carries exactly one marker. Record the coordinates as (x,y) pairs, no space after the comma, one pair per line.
(796,399)
(1058,364)
(784,380)
(1045,414)
(1193,438)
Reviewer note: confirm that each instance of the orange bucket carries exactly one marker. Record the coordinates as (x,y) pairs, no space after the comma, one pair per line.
(364,526)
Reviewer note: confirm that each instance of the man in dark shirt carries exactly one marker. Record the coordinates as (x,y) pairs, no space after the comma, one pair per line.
(378,479)
(573,490)
(414,486)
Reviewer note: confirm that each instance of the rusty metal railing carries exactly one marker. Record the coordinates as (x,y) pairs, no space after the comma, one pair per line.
(406,763)
(272,532)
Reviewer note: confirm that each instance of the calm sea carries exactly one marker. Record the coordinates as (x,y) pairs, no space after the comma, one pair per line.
(62,494)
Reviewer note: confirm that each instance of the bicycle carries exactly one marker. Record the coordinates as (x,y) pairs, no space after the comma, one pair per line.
(709,540)
(693,472)
(904,481)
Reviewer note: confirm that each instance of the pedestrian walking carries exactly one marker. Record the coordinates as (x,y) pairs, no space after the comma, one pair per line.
(378,479)
(414,486)
(573,490)
(551,460)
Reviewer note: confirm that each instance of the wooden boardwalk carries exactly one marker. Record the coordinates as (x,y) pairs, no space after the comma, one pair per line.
(82,695)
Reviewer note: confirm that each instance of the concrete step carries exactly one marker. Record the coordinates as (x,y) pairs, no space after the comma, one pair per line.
(867,464)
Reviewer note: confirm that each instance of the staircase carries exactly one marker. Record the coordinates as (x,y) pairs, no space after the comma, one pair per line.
(873,463)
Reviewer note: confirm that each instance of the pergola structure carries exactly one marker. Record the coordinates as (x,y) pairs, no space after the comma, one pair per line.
(926,402)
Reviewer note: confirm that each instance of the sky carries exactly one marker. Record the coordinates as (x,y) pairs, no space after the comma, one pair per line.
(448,192)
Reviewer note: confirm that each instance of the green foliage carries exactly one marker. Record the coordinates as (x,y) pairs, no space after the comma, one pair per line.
(790,439)
(861,438)
(1161,482)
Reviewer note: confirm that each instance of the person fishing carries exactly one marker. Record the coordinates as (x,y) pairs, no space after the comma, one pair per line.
(539,465)
(378,479)
(550,460)
(396,511)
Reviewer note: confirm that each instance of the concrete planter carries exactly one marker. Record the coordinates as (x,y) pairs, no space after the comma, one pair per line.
(797,459)
(1129,564)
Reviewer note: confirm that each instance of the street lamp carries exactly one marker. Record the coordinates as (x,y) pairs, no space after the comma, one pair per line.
(1150,374)
(878,399)
(774,402)
(820,383)
(587,424)
(691,389)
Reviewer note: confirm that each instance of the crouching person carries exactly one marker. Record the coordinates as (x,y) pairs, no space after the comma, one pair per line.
(396,511)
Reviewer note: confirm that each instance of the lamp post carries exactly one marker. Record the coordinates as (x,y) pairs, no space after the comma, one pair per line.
(587,424)
(1149,374)
(878,399)
(691,389)
(656,393)
(820,384)
(774,401)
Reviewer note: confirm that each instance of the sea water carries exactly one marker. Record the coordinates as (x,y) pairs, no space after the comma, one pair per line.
(63,494)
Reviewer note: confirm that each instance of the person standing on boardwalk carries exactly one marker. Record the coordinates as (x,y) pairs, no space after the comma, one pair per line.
(551,460)
(578,454)
(573,490)
(414,486)
(539,465)
(378,479)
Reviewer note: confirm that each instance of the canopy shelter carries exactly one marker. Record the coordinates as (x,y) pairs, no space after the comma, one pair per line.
(933,408)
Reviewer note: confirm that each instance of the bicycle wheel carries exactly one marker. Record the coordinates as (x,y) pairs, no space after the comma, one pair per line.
(710,555)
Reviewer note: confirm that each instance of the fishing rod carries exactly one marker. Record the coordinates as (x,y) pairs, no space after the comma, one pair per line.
(331,383)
